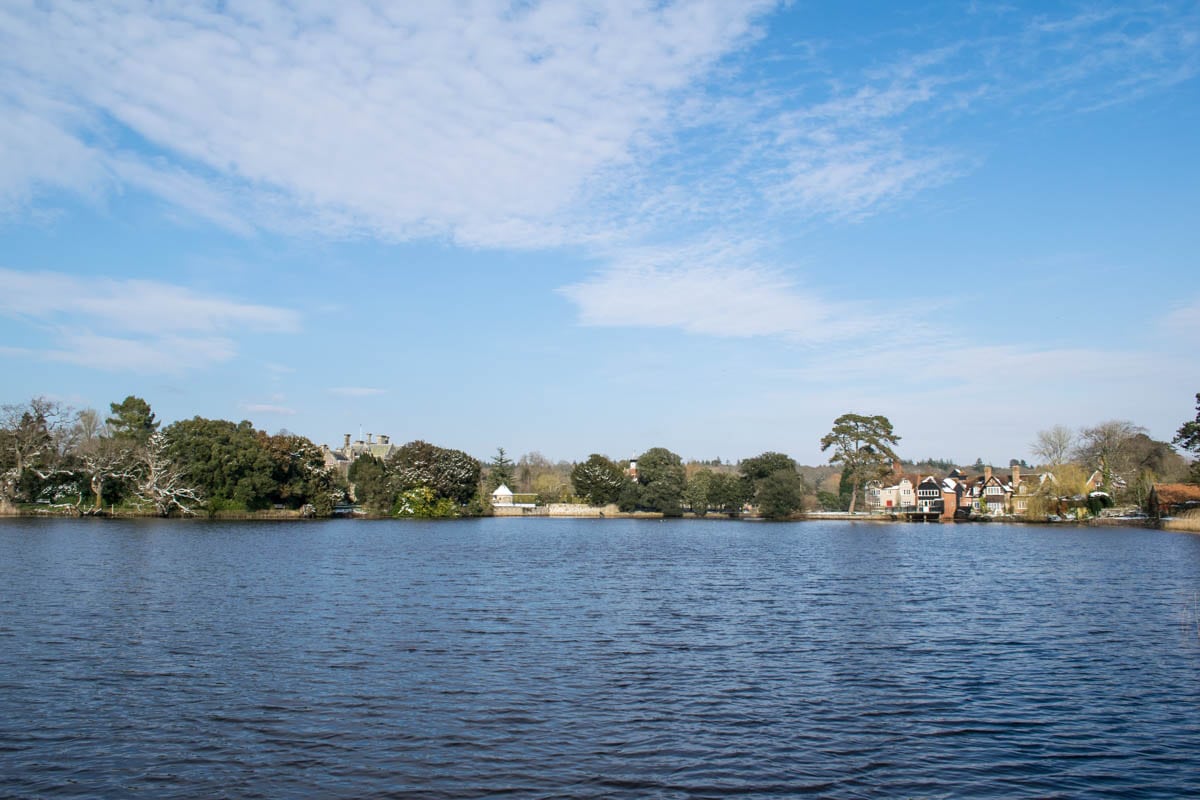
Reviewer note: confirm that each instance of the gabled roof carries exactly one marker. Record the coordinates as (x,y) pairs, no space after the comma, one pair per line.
(1169,493)
(502,491)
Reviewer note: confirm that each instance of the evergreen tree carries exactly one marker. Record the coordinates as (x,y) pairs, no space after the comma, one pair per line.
(1188,437)
(662,479)
(863,446)
(598,480)
(500,471)
(132,420)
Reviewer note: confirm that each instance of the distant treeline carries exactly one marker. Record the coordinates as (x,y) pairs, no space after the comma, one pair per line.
(53,457)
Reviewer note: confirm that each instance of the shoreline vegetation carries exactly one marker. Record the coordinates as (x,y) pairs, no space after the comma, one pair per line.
(1185,523)
(55,461)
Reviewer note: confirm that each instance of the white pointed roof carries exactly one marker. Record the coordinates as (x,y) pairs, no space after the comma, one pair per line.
(502,490)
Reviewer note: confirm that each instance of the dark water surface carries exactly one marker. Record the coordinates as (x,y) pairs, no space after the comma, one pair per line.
(582,658)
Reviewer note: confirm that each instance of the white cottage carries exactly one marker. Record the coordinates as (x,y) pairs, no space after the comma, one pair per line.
(503,496)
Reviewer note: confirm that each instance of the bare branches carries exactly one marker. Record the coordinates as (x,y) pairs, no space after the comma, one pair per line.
(163,484)
(1054,445)
(35,437)
(106,461)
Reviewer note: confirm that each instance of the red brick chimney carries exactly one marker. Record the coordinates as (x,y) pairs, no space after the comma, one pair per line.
(987,474)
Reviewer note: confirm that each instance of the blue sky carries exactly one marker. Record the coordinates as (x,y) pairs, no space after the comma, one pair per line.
(710,226)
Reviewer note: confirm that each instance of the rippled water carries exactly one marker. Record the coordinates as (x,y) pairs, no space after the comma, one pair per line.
(578,658)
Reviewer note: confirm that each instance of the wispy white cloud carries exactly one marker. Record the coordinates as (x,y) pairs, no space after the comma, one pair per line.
(156,355)
(740,159)
(216,203)
(39,148)
(269,408)
(477,121)
(1184,321)
(524,125)
(712,288)
(1100,57)
(356,391)
(136,325)
(137,306)
(850,146)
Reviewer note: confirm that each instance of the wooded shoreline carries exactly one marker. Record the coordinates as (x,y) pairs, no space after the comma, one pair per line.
(1183,524)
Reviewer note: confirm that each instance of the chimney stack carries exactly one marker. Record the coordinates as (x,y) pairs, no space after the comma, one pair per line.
(369,435)
(346,443)
(987,474)
(1016,475)
(384,438)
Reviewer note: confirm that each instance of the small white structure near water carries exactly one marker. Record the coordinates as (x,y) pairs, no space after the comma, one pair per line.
(503,497)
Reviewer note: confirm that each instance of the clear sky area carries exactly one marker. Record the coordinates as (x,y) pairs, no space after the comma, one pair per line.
(710,226)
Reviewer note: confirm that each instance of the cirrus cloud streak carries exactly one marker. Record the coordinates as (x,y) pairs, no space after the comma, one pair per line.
(125,324)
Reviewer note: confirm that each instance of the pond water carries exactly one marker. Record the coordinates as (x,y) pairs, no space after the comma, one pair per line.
(596,658)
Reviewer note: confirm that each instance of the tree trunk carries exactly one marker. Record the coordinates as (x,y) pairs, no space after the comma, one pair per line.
(853,495)
(98,491)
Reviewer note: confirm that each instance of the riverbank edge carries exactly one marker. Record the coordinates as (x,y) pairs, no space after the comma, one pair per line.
(289,515)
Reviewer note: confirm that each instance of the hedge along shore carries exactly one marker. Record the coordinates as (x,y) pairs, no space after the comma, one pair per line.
(65,512)
(1186,524)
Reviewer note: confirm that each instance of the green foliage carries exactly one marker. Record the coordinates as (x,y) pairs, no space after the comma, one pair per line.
(759,467)
(218,504)
(833,502)
(299,474)
(630,498)
(845,489)
(448,473)
(500,471)
(863,446)
(662,478)
(727,493)
(780,495)
(370,479)
(549,489)
(132,420)
(696,491)
(479,506)
(107,469)
(225,460)
(598,480)
(771,479)
(34,440)
(1188,437)
(422,502)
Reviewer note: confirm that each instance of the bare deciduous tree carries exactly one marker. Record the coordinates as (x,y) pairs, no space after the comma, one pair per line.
(35,437)
(104,461)
(1054,445)
(1108,447)
(163,484)
(88,425)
